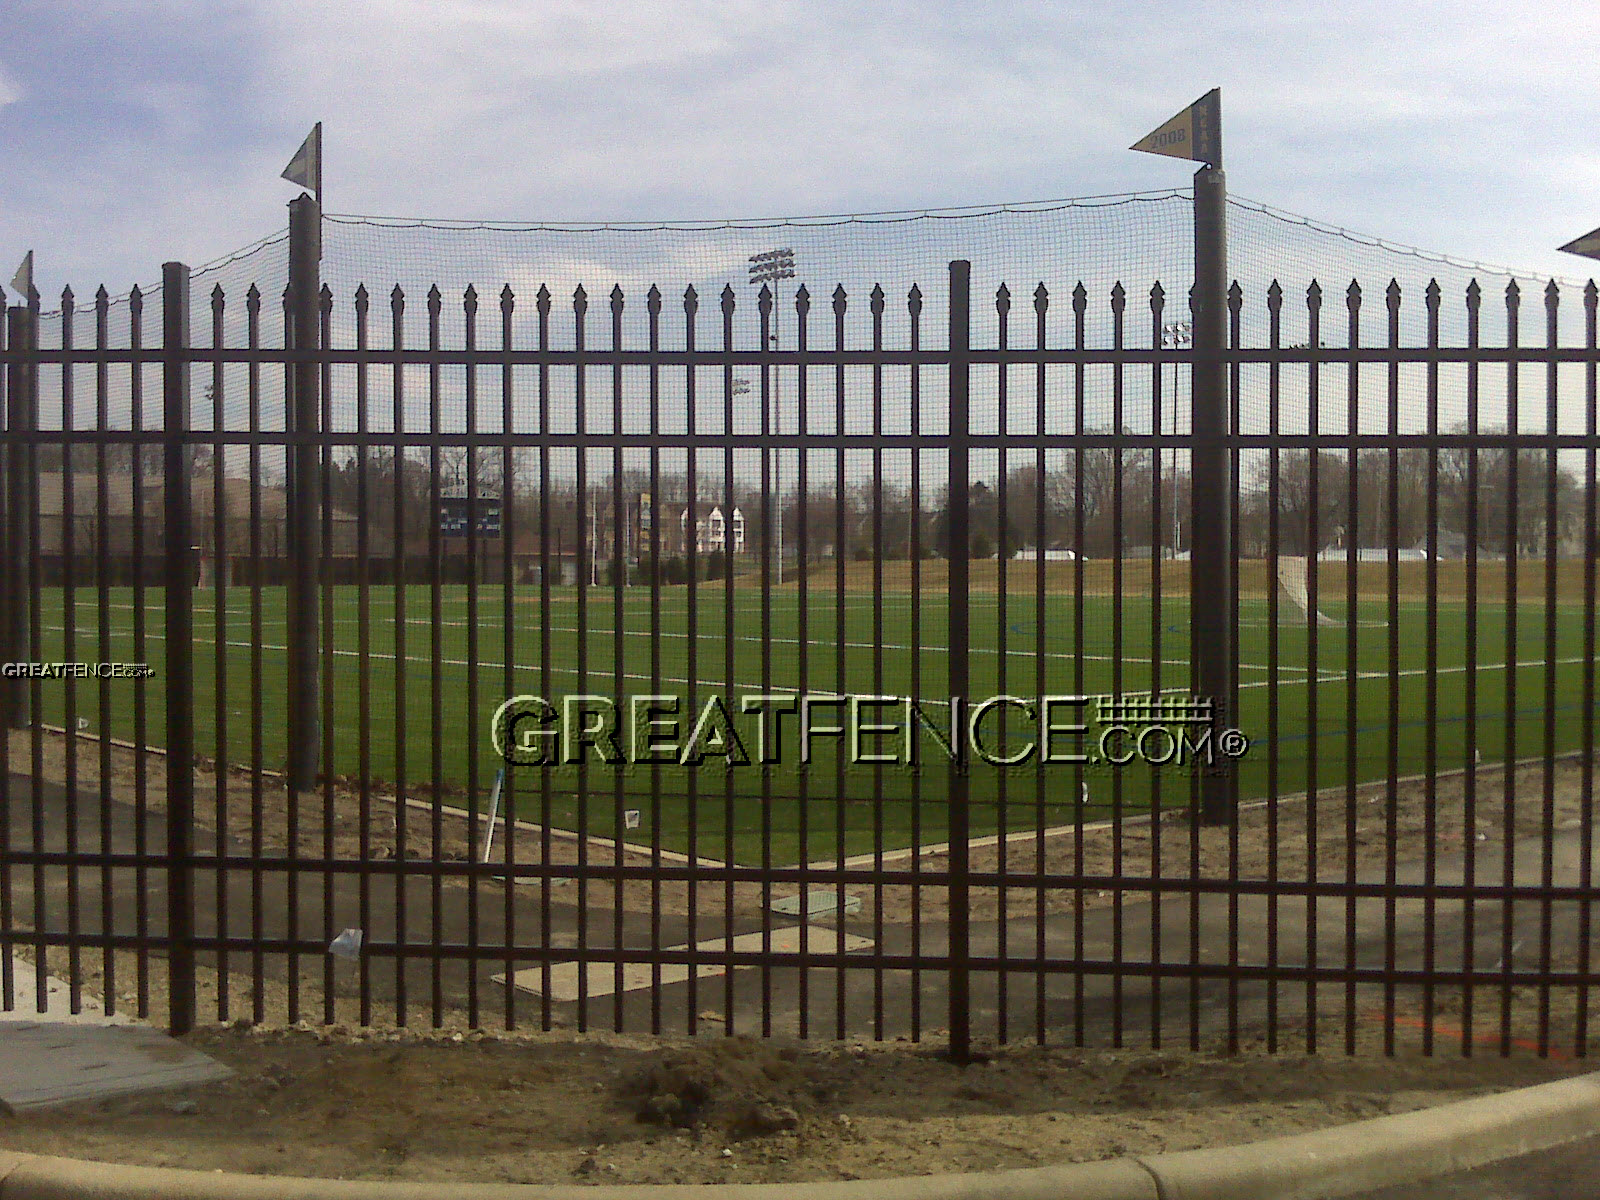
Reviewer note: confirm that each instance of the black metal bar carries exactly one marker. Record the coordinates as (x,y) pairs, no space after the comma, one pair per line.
(1211,562)
(959,553)
(302,705)
(22,416)
(178,560)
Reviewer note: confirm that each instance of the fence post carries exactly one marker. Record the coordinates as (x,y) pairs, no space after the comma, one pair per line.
(304,415)
(959,551)
(1211,592)
(22,416)
(178,565)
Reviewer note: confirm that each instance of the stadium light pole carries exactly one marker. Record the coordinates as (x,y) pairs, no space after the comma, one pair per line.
(767,268)
(1174,335)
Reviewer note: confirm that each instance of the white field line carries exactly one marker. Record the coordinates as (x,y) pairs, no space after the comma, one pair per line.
(599,677)
(595,676)
(722,640)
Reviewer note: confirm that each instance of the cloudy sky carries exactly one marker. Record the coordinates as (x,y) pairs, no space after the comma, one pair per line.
(146,130)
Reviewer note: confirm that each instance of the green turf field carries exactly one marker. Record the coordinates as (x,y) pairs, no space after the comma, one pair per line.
(401,676)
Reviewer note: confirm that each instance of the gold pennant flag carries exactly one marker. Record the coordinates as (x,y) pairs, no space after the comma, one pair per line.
(1195,133)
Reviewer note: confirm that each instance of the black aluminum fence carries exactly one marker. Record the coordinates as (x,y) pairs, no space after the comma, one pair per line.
(589,661)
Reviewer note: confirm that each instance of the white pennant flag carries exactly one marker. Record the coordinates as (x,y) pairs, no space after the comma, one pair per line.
(22,281)
(305,168)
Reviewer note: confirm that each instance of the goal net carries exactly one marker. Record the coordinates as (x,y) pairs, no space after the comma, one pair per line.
(1292,588)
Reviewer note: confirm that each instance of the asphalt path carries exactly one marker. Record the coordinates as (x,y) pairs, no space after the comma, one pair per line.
(404,911)
(1570,1172)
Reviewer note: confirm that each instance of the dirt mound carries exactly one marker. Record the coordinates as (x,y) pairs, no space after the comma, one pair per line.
(739,1087)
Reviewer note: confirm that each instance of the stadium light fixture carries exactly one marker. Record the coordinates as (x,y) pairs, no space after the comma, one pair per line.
(767,268)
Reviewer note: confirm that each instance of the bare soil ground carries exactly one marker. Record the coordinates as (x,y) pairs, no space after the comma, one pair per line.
(461,1105)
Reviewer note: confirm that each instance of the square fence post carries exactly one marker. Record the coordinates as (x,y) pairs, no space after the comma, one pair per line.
(178,569)
(304,418)
(960,551)
(1211,591)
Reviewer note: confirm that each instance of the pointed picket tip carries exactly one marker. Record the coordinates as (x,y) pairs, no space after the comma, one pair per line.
(876,298)
(217,294)
(802,297)
(1552,293)
(508,298)
(914,300)
(67,298)
(1158,294)
(1432,293)
(326,296)
(435,300)
(1314,292)
(727,299)
(653,296)
(1352,294)
(617,296)
(1590,292)
(101,296)
(1119,297)
(1274,296)
(691,300)
(1235,295)
(1474,293)
(1002,299)
(397,296)
(543,297)
(1080,297)
(839,296)
(470,294)
(1041,296)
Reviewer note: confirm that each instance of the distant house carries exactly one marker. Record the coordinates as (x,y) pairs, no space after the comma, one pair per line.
(711,532)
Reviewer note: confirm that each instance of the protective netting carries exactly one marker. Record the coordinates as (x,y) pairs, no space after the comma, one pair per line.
(1137,240)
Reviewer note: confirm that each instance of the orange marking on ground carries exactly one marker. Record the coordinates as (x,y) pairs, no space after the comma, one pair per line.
(1481,1039)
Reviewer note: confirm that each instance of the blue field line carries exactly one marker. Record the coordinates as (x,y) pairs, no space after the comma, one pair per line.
(1342,731)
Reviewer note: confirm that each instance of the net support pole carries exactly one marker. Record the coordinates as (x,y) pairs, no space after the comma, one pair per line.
(1211,562)
(960,551)
(22,417)
(178,569)
(304,705)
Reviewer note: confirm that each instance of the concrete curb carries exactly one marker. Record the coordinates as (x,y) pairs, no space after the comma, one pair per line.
(1309,1166)
(1386,1150)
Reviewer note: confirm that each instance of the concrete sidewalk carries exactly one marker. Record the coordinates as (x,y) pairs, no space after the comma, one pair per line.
(51,1055)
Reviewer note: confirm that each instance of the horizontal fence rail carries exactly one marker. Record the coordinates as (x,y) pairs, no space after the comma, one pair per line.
(788,664)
